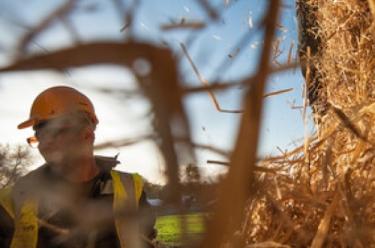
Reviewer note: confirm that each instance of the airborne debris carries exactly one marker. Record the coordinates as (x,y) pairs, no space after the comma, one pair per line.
(217,37)
(250,22)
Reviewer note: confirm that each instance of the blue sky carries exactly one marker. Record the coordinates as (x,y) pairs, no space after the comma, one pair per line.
(281,126)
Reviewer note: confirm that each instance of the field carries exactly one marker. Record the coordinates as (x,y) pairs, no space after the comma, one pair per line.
(169,228)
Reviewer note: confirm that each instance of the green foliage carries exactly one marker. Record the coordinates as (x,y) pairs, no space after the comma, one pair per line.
(170,230)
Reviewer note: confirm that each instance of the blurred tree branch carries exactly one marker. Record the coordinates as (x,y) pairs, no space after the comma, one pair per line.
(230,209)
(43,25)
(161,85)
(14,162)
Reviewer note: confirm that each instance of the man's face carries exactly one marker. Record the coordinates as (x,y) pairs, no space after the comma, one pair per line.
(61,139)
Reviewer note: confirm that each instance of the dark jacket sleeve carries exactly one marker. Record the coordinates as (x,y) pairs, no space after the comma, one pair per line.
(148,218)
(6,228)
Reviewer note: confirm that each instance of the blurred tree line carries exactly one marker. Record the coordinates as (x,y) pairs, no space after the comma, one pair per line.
(15,161)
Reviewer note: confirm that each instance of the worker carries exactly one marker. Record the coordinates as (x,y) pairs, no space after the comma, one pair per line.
(75,199)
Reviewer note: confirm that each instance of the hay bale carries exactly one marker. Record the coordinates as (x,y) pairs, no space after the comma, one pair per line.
(324,196)
(309,54)
(340,35)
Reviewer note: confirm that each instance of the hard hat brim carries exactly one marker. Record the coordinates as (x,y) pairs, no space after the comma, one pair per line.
(25,124)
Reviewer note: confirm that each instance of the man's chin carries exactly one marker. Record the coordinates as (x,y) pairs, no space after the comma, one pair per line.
(59,158)
(55,158)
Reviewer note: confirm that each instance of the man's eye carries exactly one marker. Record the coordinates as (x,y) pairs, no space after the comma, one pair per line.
(41,125)
(42,131)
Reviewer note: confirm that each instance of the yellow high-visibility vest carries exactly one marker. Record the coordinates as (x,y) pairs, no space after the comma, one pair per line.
(127,190)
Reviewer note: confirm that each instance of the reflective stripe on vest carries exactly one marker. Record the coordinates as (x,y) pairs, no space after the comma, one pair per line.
(6,201)
(127,190)
(124,205)
(26,226)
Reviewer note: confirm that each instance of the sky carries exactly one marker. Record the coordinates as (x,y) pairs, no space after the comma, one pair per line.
(124,117)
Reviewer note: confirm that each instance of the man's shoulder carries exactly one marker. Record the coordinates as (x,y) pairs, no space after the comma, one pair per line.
(32,176)
(108,164)
(32,181)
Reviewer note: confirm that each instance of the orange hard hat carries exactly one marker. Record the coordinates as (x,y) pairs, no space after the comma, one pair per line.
(58,101)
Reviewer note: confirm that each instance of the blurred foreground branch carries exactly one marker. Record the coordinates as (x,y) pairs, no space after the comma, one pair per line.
(229,214)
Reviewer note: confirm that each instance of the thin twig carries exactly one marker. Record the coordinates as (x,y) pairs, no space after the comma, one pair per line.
(123,142)
(211,12)
(277,92)
(133,141)
(248,81)
(128,15)
(14,171)
(205,83)
(71,28)
(61,11)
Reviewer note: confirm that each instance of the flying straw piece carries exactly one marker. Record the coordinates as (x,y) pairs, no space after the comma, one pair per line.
(290,53)
(274,93)
(196,25)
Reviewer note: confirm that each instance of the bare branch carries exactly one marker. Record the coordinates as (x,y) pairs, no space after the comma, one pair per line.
(205,83)
(248,81)
(44,24)
(126,15)
(123,142)
(211,12)
(277,92)
(230,206)
(71,29)
(133,141)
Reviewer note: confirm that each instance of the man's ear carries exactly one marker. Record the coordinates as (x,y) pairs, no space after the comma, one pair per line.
(89,134)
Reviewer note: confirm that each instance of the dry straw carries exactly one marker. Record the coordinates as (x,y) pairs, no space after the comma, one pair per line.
(326,199)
